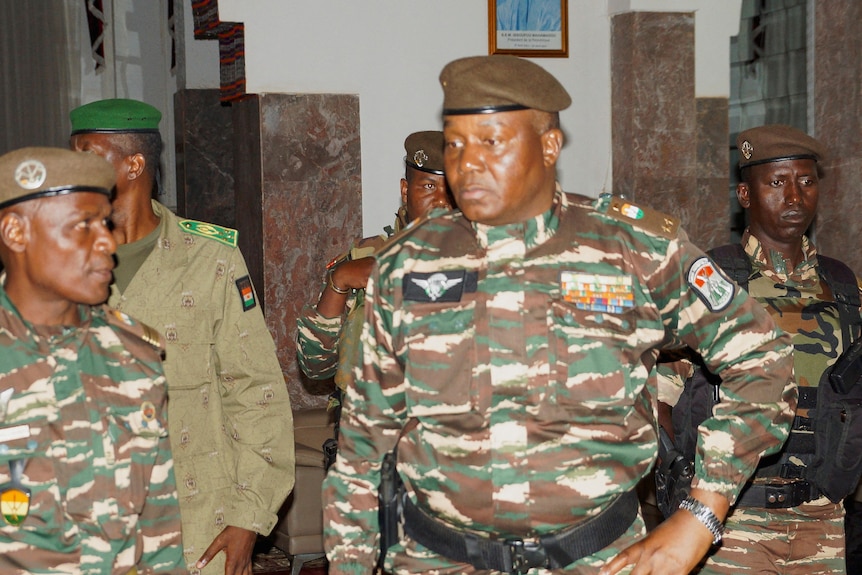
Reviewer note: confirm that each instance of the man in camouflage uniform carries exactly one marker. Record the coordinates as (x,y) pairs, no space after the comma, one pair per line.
(328,334)
(229,418)
(783,522)
(508,353)
(86,476)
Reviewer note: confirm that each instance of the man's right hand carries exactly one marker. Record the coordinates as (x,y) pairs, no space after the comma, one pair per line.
(348,275)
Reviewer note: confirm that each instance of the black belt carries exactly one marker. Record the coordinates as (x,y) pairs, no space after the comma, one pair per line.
(775,496)
(554,550)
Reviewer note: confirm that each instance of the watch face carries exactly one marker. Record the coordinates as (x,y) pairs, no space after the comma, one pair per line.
(15,505)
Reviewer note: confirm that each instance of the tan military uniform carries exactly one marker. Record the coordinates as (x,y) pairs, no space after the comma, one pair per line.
(229,417)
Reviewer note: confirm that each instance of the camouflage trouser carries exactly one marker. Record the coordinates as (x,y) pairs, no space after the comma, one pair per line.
(408,557)
(804,540)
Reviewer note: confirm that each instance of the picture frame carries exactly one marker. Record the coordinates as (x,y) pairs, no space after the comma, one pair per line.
(529,28)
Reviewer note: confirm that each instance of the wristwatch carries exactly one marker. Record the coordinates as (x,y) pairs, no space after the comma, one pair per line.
(705,515)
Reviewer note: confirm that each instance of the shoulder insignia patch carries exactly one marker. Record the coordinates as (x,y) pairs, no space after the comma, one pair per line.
(246,293)
(711,287)
(226,236)
(643,217)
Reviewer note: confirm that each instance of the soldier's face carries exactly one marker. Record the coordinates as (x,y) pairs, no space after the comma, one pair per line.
(781,199)
(105,146)
(421,192)
(499,167)
(68,251)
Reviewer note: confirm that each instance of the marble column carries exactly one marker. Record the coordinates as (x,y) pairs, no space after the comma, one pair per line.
(298,204)
(837,96)
(669,149)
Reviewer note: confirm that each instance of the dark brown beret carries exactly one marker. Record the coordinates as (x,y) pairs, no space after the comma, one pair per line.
(425,151)
(775,143)
(32,173)
(488,84)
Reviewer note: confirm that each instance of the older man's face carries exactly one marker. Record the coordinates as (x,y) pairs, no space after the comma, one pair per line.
(499,167)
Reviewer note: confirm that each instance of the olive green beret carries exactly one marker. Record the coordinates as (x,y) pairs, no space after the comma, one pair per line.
(488,84)
(775,143)
(425,151)
(115,116)
(31,173)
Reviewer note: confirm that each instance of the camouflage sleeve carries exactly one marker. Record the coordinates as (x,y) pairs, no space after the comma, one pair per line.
(671,379)
(738,341)
(317,343)
(159,521)
(371,421)
(256,411)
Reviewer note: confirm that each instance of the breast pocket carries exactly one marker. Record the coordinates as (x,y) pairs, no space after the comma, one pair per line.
(190,339)
(591,356)
(440,355)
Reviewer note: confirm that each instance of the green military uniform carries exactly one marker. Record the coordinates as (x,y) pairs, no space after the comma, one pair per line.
(229,418)
(807,538)
(83,430)
(522,357)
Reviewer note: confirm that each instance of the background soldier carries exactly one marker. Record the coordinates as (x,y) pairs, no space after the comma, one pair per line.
(789,519)
(508,352)
(86,478)
(230,421)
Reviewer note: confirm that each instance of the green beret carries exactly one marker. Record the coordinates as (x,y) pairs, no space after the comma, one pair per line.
(425,151)
(31,173)
(775,143)
(115,116)
(488,84)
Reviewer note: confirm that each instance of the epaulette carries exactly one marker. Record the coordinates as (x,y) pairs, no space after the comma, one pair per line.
(642,217)
(142,331)
(227,236)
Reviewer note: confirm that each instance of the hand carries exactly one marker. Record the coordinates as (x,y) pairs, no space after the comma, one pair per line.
(676,546)
(352,274)
(237,544)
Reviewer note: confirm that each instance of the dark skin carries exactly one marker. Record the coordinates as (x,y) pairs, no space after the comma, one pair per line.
(420,193)
(502,170)
(133,219)
(58,253)
(781,199)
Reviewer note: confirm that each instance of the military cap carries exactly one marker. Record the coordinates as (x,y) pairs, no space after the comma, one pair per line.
(488,84)
(31,173)
(775,143)
(117,115)
(425,151)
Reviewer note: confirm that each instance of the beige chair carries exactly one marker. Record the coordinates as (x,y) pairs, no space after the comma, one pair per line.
(299,532)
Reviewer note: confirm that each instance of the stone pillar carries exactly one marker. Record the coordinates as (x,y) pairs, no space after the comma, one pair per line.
(669,150)
(204,148)
(837,97)
(298,204)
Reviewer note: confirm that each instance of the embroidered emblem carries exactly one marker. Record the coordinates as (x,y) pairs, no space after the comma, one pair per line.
(148,412)
(15,505)
(420,157)
(246,293)
(226,236)
(632,211)
(711,287)
(122,318)
(594,292)
(446,286)
(746,149)
(31,174)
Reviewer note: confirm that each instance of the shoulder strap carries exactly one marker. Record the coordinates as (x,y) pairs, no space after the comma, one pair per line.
(733,260)
(842,281)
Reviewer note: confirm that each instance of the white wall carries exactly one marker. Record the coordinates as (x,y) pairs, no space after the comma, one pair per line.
(390,52)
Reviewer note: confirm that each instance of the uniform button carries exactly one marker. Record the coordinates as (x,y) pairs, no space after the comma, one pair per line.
(624,324)
(459,324)
(569,319)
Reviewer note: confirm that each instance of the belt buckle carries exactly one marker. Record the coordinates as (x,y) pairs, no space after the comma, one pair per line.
(526,555)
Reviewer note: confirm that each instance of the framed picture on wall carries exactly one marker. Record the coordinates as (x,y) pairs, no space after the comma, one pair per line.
(531,28)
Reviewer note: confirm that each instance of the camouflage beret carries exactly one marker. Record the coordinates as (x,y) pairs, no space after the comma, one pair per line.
(425,151)
(32,173)
(115,116)
(488,84)
(775,143)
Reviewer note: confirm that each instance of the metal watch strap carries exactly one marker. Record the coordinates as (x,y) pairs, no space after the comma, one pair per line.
(705,515)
